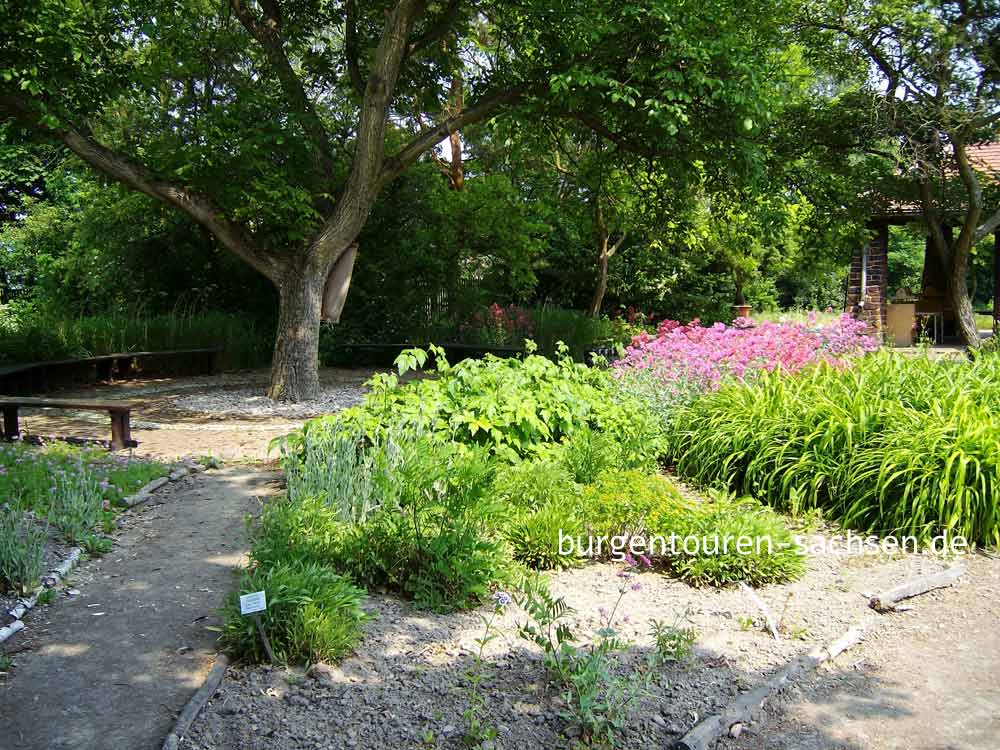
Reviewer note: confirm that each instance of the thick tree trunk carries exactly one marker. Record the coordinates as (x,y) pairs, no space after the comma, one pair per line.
(295,366)
(961,303)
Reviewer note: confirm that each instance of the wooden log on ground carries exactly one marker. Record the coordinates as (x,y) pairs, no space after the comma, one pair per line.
(197,702)
(745,708)
(886,601)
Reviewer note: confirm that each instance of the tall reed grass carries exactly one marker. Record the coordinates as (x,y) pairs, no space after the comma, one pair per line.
(892,445)
(33,335)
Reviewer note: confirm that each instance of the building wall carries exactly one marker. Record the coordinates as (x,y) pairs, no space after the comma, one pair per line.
(873,275)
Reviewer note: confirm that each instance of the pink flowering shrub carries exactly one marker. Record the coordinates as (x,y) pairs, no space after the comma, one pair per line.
(498,326)
(690,359)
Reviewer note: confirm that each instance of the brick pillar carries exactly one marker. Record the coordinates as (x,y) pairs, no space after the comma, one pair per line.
(869,271)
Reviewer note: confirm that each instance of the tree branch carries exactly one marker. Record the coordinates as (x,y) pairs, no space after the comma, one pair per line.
(431,136)
(351,47)
(436,31)
(268,35)
(623,142)
(967,236)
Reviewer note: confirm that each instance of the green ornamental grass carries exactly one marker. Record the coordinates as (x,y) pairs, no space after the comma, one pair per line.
(892,445)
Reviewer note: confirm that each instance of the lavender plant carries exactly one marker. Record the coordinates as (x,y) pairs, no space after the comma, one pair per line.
(76,502)
(22,546)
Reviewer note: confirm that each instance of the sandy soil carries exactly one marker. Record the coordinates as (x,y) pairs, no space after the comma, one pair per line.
(407,684)
(168,432)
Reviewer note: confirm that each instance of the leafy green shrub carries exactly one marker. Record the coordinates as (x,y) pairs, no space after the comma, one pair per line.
(512,407)
(766,554)
(534,535)
(628,503)
(430,534)
(587,453)
(22,546)
(892,445)
(543,499)
(312,614)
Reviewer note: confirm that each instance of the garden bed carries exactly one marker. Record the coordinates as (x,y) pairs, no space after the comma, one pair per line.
(407,684)
(57,498)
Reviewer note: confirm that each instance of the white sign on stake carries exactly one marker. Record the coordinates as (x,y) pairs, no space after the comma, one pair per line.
(255,602)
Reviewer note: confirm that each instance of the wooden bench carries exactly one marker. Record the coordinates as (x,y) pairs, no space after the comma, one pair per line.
(121,431)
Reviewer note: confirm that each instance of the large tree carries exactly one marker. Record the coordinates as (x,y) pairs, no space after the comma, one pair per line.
(931,72)
(275,124)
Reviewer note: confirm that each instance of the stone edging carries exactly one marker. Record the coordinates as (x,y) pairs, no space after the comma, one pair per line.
(198,700)
(60,571)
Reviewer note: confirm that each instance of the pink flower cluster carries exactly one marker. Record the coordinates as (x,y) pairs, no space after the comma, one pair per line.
(501,324)
(697,357)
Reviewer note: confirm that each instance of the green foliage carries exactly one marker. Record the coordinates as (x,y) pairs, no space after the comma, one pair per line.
(597,697)
(312,614)
(75,504)
(631,503)
(534,535)
(32,334)
(587,453)
(22,547)
(893,445)
(512,407)
(738,541)
(541,496)
(96,545)
(672,643)
(628,505)
(429,533)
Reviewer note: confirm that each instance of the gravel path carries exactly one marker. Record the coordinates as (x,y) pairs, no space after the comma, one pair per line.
(250,402)
(108,665)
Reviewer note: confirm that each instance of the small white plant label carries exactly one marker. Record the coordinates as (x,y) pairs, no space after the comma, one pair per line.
(250,603)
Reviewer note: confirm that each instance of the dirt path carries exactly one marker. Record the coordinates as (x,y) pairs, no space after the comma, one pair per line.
(927,680)
(112,662)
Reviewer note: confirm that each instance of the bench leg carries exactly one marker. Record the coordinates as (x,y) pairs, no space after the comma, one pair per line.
(11,429)
(121,431)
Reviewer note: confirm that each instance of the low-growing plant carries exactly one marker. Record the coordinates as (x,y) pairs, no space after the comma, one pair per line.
(672,643)
(431,534)
(599,699)
(542,497)
(534,535)
(75,504)
(587,453)
(312,614)
(738,540)
(478,728)
(625,503)
(96,545)
(22,549)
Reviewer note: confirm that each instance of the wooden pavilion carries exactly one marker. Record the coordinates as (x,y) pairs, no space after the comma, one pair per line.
(868,295)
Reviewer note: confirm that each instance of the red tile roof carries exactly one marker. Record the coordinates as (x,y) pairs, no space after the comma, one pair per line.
(986,158)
